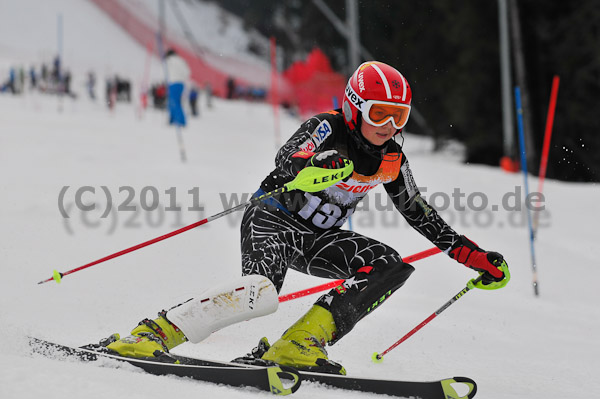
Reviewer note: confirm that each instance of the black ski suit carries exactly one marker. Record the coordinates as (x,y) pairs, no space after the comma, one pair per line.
(302,230)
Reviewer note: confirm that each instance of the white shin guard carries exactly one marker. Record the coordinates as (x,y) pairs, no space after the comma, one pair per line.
(246,298)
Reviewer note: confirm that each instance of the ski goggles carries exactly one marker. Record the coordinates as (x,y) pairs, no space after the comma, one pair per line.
(378,113)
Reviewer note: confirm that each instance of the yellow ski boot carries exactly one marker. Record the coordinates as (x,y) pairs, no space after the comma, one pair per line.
(151,338)
(302,346)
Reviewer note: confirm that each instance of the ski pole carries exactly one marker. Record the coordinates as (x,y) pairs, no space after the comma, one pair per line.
(378,357)
(333,284)
(310,179)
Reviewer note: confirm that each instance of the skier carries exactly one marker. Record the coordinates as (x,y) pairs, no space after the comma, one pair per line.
(193,99)
(302,231)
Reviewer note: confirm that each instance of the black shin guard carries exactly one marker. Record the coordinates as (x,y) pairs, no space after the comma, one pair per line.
(360,294)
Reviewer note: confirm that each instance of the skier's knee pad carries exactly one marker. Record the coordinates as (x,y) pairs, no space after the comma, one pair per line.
(243,299)
(362,293)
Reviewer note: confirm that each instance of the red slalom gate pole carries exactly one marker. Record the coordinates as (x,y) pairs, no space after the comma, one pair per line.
(547,138)
(378,357)
(548,132)
(333,284)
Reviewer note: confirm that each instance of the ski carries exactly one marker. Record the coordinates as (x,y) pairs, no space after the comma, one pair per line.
(226,373)
(278,380)
(438,389)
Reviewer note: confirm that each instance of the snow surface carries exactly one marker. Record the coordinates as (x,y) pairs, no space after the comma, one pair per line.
(513,344)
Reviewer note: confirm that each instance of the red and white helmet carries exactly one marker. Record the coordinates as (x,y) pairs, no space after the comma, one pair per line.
(377,93)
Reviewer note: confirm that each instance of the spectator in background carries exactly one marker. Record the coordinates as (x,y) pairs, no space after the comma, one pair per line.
(91,85)
(55,74)
(178,73)
(32,78)
(12,78)
(111,93)
(230,89)
(44,78)
(21,79)
(123,89)
(159,95)
(193,97)
(67,83)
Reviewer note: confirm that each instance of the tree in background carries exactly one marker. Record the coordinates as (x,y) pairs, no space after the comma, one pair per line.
(449,52)
(564,40)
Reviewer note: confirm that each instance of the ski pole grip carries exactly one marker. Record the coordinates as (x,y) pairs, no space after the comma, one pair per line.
(312,178)
(473,281)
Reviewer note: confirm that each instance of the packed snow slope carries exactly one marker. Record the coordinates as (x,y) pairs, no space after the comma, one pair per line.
(513,344)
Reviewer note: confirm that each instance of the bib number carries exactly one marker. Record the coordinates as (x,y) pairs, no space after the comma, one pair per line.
(324,216)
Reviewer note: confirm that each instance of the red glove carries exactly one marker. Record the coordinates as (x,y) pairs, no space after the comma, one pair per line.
(299,160)
(469,254)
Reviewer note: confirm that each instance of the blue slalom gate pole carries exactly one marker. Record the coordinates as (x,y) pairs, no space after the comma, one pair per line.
(524,169)
(350,224)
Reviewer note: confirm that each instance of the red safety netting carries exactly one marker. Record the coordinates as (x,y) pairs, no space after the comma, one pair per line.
(317,87)
(312,85)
